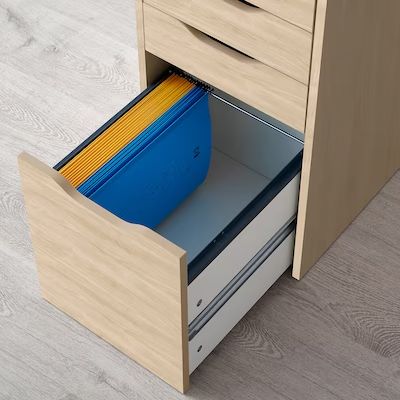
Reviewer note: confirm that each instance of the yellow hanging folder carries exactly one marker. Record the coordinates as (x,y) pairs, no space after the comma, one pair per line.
(125,129)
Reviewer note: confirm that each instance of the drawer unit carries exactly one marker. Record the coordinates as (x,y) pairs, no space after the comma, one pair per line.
(241,76)
(251,30)
(166,296)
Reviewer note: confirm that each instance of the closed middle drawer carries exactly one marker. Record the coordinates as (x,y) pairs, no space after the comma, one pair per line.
(250,29)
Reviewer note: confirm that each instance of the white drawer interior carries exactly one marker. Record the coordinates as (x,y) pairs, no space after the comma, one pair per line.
(228,189)
(248,153)
(251,191)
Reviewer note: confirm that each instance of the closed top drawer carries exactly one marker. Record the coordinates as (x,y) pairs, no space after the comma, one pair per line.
(298,12)
(263,87)
(249,29)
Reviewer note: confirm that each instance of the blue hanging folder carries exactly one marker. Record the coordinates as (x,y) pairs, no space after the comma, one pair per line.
(153,174)
(139,143)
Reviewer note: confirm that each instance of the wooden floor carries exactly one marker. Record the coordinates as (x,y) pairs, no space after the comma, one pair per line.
(66,67)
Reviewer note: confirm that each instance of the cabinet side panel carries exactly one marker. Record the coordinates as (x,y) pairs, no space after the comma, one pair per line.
(151,67)
(122,281)
(353,123)
(140,44)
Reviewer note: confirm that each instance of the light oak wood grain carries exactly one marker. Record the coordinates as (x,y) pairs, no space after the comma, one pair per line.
(253,31)
(298,12)
(140,44)
(122,281)
(333,335)
(352,135)
(247,79)
(150,67)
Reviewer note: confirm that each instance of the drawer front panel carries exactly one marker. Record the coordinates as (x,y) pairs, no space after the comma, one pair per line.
(255,32)
(298,12)
(240,303)
(228,264)
(107,274)
(247,79)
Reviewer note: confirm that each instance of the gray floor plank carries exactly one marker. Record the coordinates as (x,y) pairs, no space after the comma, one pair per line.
(67,66)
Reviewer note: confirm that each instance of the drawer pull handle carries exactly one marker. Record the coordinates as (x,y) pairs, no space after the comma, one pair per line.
(243,5)
(247,3)
(199,303)
(199,348)
(207,38)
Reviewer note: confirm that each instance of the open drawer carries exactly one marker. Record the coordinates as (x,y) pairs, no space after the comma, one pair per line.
(166,296)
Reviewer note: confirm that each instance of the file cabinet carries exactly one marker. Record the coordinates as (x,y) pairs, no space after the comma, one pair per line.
(320,72)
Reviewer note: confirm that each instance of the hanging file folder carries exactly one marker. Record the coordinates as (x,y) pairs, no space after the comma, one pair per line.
(140,142)
(161,176)
(126,128)
(152,157)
